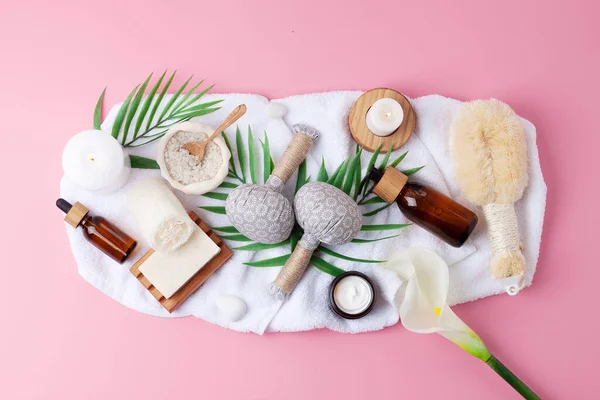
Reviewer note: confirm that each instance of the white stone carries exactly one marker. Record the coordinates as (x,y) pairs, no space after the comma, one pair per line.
(231,307)
(276,110)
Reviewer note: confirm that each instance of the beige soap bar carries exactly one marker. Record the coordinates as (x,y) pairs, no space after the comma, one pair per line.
(168,272)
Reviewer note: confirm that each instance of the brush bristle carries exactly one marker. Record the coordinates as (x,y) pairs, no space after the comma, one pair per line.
(490,152)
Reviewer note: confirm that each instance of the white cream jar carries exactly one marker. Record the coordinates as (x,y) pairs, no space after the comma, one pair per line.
(352,295)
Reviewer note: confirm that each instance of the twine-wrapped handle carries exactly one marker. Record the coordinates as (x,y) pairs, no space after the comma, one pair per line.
(294,268)
(503,231)
(296,151)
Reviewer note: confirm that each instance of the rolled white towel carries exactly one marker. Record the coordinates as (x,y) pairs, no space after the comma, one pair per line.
(162,219)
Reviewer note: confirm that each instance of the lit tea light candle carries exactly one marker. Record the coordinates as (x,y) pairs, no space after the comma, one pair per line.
(95,161)
(352,295)
(384,117)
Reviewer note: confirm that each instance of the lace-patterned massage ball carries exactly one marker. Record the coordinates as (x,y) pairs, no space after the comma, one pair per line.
(327,215)
(261,212)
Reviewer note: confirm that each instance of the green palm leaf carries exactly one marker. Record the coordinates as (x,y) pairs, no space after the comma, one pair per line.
(225,229)
(398,160)
(143,162)
(347,258)
(198,96)
(409,172)
(174,98)
(116,128)
(350,174)
(252,157)
(237,238)
(239,144)
(159,100)
(383,227)
(180,104)
(338,177)
(371,213)
(355,240)
(146,105)
(386,159)
(133,106)
(357,179)
(301,178)
(374,200)
(98,111)
(227,185)
(261,246)
(371,163)
(267,160)
(322,174)
(216,195)
(270,262)
(214,209)
(325,266)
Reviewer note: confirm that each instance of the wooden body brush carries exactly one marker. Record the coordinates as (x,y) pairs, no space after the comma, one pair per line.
(490,158)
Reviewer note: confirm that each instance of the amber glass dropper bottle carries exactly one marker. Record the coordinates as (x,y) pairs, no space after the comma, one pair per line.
(426,207)
(98,231)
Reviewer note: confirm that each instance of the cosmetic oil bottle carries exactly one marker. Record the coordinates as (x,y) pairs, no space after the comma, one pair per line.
(98,231)
(426,207)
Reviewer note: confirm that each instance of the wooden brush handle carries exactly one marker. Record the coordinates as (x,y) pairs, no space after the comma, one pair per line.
(293,269)
(295,153)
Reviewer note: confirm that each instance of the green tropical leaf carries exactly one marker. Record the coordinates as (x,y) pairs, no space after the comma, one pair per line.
(267,160)
(383,227)
(350,173)
(98,111)
(173,99)
(371,213)
(195,110)
(231,162)
(159,100)
(239,144)
(133,106)
(301,178)
(269,262)
(374,200)
(398,160)
(322,174)
(180,105)
(325,266)
(357,179)
(295,237)
(252,157)
(227,185)
(339,178)
(225,229)
(372,163)
(214,209)
(347,258)
(143,162)
(261,246)
(386,158)
(197,113)
(372,240)
(216,195)
(116,128)
(409,172)
(198,96)
(146,105)
(237,238)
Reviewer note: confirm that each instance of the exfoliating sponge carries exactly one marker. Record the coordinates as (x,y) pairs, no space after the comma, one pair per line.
(489,149)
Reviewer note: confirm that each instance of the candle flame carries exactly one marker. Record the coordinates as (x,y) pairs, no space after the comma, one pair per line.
(388,114)
(91,158)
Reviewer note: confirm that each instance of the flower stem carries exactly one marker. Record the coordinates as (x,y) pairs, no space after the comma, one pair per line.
(511,378)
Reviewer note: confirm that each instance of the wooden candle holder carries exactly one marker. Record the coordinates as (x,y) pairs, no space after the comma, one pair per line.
(194,283)
(357,121)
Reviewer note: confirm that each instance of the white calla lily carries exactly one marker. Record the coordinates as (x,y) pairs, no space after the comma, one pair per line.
(422,306)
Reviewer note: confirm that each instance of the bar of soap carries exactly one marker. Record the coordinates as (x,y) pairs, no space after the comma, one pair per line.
(168,272)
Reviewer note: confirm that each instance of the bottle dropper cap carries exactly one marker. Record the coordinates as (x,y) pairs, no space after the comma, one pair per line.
(74,213)
(389,183)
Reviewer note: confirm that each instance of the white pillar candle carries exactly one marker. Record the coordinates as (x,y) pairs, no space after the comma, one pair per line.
(95,161)
(384,117)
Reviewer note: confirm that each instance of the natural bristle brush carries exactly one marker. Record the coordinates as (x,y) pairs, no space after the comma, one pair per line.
(489,148)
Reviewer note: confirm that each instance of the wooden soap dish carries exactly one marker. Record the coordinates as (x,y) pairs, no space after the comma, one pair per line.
(358,124)
(194,283)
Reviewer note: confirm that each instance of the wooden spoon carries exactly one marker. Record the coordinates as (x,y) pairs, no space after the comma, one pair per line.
(199,148)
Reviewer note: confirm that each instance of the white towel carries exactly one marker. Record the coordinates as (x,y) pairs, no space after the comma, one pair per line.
(308,306)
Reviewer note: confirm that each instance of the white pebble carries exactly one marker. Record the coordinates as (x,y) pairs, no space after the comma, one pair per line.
(276,110)
(231,307)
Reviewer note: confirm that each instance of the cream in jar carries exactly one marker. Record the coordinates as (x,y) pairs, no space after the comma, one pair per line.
(352,295)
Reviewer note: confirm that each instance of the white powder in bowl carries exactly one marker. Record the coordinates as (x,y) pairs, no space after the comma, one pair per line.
(183,166)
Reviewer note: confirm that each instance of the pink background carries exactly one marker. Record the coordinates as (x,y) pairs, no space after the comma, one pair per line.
(62,339)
